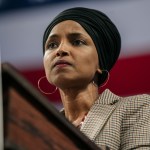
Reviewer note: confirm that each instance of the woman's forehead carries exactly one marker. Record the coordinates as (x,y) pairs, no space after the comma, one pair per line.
(70,27)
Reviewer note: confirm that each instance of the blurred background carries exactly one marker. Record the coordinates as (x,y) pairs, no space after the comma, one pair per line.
(23,22)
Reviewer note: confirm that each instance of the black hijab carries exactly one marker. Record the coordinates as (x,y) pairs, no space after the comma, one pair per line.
(102,30)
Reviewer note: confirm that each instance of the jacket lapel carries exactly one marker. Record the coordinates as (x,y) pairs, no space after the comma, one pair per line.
(99,114)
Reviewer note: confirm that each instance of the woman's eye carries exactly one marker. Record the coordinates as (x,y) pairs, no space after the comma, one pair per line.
(78,42)
(52,45)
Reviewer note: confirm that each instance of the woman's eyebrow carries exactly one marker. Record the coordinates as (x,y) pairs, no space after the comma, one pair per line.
(53,36)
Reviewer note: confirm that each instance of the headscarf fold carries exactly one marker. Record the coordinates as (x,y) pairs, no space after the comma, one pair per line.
(101,29)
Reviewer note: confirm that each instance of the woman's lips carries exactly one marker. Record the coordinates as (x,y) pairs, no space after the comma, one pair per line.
(62,63)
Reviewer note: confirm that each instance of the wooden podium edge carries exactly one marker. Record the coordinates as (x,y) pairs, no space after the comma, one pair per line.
(17,81)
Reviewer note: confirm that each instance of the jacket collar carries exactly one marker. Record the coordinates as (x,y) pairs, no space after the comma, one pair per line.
(99,114)
(107,98)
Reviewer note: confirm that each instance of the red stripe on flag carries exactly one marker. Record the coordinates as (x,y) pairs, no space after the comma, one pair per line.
(129,76)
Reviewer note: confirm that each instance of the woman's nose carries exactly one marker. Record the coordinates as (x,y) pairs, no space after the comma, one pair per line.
(62,53)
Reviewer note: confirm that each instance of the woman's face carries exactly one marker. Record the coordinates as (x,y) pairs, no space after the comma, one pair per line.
(70,58)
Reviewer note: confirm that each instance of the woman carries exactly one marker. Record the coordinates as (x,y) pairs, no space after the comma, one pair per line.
(81,46)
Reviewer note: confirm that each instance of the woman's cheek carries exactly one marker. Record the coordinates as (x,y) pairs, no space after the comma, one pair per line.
(48,71)
(46,61)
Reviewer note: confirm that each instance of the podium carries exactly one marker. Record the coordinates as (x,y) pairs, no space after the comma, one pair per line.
(31,122)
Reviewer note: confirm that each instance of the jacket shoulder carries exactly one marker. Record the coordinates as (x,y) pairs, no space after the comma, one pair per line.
(137,99)
(134,104)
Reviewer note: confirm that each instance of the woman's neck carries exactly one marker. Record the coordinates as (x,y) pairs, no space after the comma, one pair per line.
(77,102)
